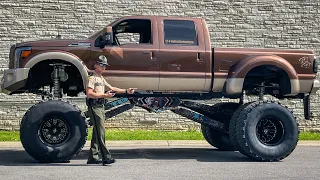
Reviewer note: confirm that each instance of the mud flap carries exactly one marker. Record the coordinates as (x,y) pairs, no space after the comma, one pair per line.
(306,107)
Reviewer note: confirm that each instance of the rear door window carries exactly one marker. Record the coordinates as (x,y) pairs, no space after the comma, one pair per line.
(180,32)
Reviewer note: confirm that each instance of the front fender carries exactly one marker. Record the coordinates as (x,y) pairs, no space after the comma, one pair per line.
(239,71)
(65,56)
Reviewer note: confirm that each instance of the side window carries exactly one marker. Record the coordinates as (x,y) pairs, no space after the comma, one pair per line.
(128,38)
(180,32)
(133,31)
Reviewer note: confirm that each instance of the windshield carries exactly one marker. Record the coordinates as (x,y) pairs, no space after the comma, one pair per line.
(97,33)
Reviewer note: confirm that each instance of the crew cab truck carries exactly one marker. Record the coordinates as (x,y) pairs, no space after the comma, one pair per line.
(171,63)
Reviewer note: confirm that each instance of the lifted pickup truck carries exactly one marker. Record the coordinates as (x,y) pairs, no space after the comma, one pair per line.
(171,62)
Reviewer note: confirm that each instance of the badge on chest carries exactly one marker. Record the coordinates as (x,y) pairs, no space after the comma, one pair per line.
(99,87)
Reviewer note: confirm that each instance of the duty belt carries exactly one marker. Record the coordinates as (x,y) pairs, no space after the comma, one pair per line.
(95,102)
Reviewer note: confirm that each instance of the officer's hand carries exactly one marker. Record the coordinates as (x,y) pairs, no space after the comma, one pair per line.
(110,94)
(131,90)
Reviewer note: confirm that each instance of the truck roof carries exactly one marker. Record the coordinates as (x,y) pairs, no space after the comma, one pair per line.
(154,16)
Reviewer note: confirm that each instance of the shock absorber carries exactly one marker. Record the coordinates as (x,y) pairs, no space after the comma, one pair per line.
(56,82)
(261,91)
(57,76)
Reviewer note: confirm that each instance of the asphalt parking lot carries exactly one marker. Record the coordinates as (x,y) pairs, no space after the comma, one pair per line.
(163,162)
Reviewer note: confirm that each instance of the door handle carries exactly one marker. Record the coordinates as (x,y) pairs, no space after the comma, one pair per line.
(199,59)
(152,57)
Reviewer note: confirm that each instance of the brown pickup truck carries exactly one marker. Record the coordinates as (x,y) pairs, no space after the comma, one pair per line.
(169,60)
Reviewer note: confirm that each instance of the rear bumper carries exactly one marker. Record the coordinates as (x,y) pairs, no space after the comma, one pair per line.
(315,86)
(14,79)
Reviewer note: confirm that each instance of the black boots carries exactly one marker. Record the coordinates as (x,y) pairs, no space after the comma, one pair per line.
(106,161)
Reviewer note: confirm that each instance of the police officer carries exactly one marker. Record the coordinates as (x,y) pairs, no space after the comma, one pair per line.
(96,95)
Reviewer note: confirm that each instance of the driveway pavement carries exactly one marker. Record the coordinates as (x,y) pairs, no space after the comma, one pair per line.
(152,161)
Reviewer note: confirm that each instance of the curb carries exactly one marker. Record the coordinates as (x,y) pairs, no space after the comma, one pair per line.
(153,143)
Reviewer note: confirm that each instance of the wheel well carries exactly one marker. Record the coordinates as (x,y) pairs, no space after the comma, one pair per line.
(275,79)
(40,76)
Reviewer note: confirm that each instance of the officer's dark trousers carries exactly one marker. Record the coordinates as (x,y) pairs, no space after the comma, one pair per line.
(97,116)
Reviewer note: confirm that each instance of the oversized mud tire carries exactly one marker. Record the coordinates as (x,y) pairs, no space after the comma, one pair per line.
(53,131)
(233,130)
(221,112)
(265,130)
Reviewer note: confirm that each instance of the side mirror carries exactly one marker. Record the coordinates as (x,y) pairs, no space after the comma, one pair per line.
(107,37)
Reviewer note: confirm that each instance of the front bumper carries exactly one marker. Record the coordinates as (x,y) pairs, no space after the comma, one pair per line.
(14,79)
(315,86)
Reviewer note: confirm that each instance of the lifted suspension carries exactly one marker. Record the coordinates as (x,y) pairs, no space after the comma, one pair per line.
(197,112)
(261,91)
(119,110)
(200,119)
(57,76)
(200,108)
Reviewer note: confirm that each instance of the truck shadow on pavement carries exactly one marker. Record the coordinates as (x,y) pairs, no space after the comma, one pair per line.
(18,157)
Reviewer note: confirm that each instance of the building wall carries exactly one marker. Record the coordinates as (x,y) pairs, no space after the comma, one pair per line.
(232,23)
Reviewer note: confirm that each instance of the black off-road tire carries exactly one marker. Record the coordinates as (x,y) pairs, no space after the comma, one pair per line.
(233,130)
(265,130)
(53,131)
(221,112)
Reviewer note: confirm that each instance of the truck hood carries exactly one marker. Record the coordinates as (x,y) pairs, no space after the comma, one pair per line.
(55,43)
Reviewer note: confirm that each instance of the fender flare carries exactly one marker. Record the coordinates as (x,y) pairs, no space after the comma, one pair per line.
(239,71)
(64,56)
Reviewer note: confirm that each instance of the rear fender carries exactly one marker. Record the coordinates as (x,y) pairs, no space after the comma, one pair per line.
(239,71)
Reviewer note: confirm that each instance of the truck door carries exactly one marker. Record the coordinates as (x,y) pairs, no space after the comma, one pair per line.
(133,58)
(182,51)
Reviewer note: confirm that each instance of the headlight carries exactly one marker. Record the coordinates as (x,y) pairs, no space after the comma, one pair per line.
(21,53)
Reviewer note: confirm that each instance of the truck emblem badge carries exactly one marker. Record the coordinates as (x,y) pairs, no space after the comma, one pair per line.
(79,45)
(305,62)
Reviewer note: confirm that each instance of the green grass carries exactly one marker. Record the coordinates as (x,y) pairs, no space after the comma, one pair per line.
(9,136)
(149,135)
(309,136)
